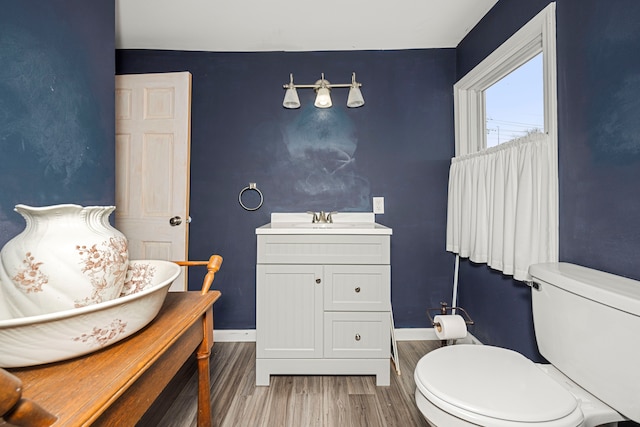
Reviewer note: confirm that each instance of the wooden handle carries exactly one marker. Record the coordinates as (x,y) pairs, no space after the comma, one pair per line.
(10,391)
(16,410)
(191,263)
(214,264)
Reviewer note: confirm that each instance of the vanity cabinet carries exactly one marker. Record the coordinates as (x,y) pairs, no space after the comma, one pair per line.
(323,305)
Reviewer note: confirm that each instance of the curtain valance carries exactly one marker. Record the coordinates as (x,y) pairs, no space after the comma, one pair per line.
(502,205)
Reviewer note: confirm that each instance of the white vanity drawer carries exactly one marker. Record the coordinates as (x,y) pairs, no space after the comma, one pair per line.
(357,287)
(323,249)
(356,335)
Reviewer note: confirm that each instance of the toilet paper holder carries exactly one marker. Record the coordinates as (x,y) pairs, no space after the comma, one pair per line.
(443,309)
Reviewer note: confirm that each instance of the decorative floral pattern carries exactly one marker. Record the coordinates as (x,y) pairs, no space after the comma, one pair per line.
(103,336)
(30,278)
(139,277)
(103,263)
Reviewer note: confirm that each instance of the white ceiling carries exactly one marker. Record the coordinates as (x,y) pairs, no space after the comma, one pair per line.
(302,25)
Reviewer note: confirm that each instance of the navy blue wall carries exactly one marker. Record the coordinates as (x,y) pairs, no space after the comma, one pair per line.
(599,152)
(56,106)
(398,145)
(599,113)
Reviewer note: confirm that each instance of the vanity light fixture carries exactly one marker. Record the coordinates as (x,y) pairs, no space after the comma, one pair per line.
(291,99)
(323,93)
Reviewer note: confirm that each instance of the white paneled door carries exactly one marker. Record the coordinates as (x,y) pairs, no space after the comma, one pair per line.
(153,118)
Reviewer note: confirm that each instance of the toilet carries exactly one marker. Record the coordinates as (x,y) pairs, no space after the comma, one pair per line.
(587,325)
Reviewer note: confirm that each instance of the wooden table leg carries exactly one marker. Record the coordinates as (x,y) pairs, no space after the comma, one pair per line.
(203,354)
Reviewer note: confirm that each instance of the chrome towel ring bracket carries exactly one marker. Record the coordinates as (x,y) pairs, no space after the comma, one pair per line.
(253,187)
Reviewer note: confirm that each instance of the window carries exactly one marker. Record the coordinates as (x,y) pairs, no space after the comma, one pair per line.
(535,39)
(514,106)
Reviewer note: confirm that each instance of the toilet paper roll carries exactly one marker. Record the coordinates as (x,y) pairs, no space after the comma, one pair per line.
(450,326)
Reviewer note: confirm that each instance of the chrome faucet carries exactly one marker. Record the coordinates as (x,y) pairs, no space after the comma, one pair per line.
(322,217)
(315,216)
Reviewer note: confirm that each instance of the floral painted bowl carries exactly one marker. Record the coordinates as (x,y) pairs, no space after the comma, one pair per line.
(62,335)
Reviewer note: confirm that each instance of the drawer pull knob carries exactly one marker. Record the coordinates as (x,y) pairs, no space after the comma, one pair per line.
(358,337)
(318,280)
(357,290)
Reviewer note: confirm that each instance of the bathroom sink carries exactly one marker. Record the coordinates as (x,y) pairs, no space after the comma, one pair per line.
(343,223)
(322,225)
(331,225)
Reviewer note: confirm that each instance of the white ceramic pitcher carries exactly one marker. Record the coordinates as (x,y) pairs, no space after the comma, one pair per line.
(67,256)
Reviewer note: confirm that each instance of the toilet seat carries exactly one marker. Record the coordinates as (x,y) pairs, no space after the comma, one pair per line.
(493,386)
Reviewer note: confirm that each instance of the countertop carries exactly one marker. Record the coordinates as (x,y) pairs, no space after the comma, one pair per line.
(349,223)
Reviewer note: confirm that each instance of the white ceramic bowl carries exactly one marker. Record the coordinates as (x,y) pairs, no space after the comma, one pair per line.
(52,337)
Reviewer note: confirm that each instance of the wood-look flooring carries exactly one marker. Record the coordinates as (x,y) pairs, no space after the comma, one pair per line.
(298,401)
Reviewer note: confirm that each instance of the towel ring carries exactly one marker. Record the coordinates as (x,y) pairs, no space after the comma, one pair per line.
(252,186)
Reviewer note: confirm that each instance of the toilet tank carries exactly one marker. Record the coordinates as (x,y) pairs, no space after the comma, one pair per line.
(587,324)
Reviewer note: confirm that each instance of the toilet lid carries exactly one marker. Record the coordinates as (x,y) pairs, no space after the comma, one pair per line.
(492,382)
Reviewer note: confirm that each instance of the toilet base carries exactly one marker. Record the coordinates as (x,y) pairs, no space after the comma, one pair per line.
(596,413)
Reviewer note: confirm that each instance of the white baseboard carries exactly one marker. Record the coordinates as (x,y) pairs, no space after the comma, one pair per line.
(415,334)
(428,334)
(402,334)
(234,335)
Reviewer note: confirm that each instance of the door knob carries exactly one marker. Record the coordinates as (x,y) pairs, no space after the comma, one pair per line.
(175,221)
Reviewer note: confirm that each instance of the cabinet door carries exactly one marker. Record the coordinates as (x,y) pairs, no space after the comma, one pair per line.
(289,313)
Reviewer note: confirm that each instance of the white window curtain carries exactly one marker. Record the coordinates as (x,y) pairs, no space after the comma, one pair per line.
(502,206)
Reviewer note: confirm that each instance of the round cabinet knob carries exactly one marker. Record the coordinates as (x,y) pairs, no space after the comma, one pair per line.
(358,337)
(318,280)
(357,290)
(175,221)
